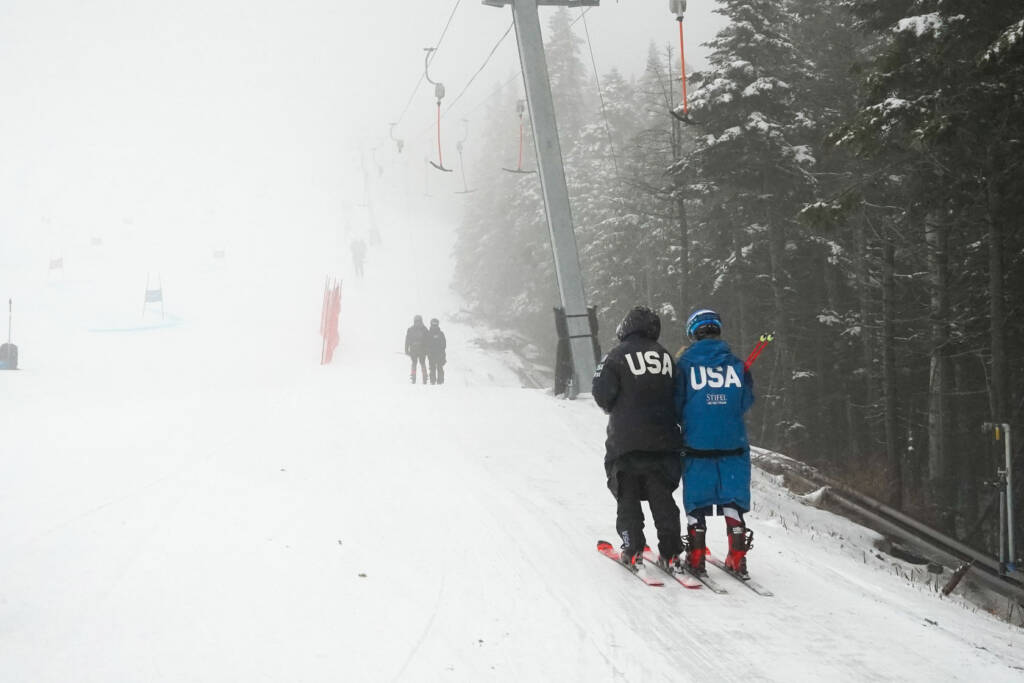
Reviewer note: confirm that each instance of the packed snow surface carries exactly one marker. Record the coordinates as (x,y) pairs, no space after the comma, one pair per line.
(203,502)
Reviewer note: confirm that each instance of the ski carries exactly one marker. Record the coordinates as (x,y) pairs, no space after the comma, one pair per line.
(710,583)
(748,582)
(682,577)
(609,551)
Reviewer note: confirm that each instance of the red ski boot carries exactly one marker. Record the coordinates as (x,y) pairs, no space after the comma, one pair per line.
(741,539)
(696,550)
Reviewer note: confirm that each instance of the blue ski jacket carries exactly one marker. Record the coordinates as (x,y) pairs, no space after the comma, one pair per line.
(712,392)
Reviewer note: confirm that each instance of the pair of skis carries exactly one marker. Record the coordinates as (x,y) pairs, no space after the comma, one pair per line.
(641,571)
(687,579)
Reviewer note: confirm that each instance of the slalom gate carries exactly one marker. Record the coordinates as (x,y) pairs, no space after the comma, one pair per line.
(8,351)
(330,314)
(154,295)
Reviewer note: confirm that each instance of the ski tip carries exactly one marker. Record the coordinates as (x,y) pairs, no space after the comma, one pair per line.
(603,544)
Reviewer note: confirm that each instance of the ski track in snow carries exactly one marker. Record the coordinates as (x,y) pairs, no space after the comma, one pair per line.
(203,502)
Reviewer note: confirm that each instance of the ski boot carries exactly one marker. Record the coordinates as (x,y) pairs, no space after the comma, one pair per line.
(633,561)
(672,564)
(741,539)
(696,550)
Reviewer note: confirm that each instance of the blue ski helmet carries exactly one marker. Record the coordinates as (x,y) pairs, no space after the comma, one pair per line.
(703,321)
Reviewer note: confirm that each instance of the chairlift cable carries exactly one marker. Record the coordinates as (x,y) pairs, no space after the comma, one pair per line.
(518,74)
(437,46)
(432,52)
(465,89)
(409,101)
(482,66)
(600,95)
(682,68)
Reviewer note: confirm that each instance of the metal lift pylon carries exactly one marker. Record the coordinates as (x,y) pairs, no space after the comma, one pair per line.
(552,180)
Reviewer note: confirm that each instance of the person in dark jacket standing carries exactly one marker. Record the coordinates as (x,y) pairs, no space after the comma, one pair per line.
(416,348)
(714,389)
(634,385)
(436,357)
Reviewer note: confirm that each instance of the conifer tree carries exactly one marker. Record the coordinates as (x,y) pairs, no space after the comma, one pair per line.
(751,173)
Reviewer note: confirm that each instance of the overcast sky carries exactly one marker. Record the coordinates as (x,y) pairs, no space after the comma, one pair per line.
(185,116)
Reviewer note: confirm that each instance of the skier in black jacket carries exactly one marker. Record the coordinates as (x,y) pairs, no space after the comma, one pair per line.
(436,355)
(416,348)
(634,385)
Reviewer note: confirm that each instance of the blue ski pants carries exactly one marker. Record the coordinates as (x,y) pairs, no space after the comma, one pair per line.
(716,480)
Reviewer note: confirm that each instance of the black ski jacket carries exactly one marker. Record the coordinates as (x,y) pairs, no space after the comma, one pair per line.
(436,343)
(416,340)
(634,385)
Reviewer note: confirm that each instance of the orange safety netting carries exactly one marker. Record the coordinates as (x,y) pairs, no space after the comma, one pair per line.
(329,316)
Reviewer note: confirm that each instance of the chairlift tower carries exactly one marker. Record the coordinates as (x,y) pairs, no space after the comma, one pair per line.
(552,180)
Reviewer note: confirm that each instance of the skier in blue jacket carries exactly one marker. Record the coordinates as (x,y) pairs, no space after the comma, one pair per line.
(713,390)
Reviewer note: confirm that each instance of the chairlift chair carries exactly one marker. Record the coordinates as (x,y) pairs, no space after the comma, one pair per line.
(426,177)
(399,143)
(678,8)
(520,110)
(439,94)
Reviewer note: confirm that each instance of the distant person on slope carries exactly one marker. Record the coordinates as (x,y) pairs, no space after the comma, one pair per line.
(416,348)
(436,356)
(634,385)
(713,391)
(358,248)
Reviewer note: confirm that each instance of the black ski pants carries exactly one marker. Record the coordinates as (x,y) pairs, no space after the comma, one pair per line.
(647,478)
(420,358)
(436,365)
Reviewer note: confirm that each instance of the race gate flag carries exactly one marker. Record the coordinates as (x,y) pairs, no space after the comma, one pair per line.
(330,314)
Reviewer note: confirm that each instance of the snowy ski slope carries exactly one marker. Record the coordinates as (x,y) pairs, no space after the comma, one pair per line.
(203,502)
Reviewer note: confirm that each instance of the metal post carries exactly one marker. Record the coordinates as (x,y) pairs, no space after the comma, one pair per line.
(1011,549)
(1002,521)
(1005,495)
(552,180)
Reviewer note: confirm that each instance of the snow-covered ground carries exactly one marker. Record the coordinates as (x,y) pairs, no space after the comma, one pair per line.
(202,501)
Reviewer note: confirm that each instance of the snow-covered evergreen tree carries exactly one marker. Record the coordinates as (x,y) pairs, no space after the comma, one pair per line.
(751,168)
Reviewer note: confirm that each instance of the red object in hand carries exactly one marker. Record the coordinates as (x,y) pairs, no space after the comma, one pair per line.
(758,348)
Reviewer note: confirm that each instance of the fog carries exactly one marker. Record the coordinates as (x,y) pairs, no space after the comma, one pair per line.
(195,125)
(191,488)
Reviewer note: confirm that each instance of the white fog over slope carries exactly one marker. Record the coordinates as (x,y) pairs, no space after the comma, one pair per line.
(204,502)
